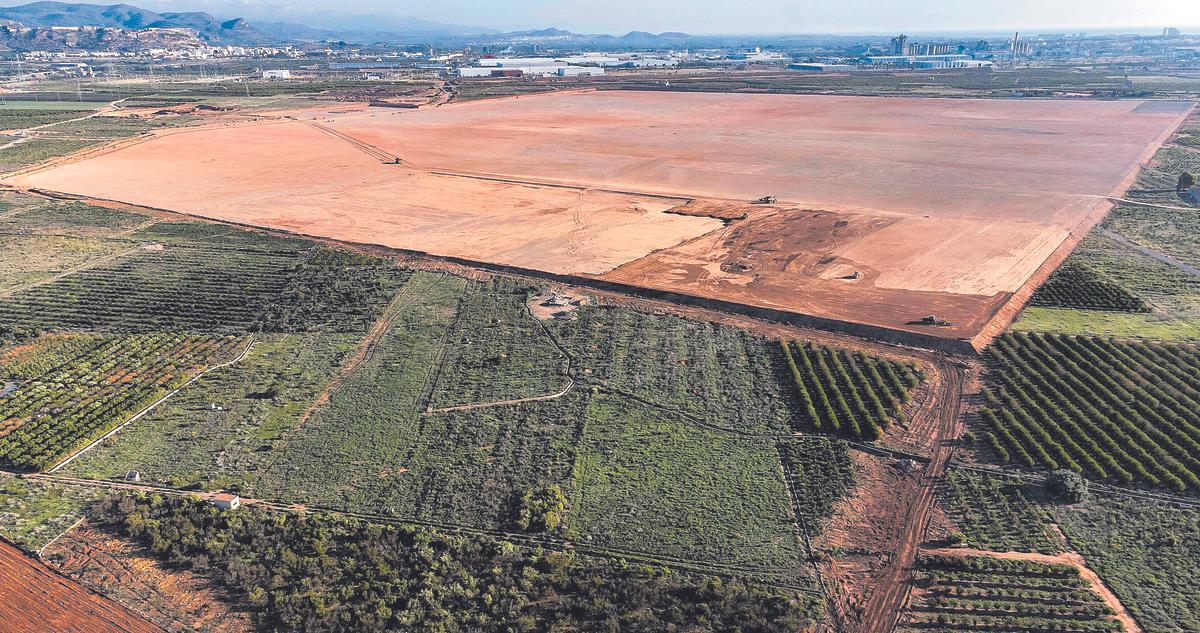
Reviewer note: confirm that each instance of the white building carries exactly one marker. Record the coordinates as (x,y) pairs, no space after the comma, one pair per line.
(227,501)
(277,74)
(527,67)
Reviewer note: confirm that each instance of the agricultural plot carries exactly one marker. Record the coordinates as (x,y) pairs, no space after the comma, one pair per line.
(654,449)
(343,454)
(497,350)
(1171,232)
(20,118)
(650,482)
(52,414)
(723,376)
(1146,552)
(34,512)
(979,593)
(109,127)
(1174,294)
(202,286)
(37,150)
(25,260)
(218,432)
(846,392)
(331,574)
(1107,323)
(473,467)
(820,473)
(1125,411)
(995,514)
(78,219)
(1079,286)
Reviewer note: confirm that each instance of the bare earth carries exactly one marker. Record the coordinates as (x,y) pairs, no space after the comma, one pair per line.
(890,208)
(34,599)
(177,599)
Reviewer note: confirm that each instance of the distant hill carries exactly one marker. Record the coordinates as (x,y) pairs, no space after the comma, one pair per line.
(308,26)
(125,16)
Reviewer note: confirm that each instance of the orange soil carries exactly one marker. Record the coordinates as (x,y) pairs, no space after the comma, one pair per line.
(296,177)
(37,600)
(943,206)
(176,598)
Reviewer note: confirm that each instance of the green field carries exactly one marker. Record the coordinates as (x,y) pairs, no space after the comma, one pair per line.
(34,512)
(649,481)
(1146,552)
(1106,323)
(996,514)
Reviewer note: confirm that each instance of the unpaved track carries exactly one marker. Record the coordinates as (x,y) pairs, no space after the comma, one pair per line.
(1074,559)
(1153,254)
(883,607)
(504,403)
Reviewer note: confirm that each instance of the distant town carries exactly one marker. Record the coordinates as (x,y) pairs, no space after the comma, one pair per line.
(47,52)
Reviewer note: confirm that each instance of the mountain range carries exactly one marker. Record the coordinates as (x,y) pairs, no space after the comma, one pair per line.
(316,26)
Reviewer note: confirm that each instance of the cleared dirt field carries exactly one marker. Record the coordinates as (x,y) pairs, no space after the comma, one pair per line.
(34,599)
(890,209)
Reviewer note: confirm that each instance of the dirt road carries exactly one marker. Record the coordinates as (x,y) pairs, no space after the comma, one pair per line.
(882,609)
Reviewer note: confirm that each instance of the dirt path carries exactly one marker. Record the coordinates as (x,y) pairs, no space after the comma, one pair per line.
(503,403)
(1074,559)
(882,609)
(1166,259)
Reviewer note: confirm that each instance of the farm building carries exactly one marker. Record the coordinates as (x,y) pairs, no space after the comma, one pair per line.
(227,501)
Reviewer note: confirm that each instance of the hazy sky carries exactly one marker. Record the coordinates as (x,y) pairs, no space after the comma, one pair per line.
(736,16)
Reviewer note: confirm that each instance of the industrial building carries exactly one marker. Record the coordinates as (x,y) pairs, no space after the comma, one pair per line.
(815,67)
(527,66)
(928,61)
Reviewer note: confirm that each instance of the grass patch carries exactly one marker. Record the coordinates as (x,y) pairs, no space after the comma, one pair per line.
(651,482)
(1146,552)
(1106,323)
(32,513)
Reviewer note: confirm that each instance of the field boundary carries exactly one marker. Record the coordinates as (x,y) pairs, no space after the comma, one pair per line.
(70,458)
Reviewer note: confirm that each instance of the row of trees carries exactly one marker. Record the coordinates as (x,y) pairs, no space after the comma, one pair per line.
(1100,407)
(985,593)
(87,395)
(847,393)
(1077,285)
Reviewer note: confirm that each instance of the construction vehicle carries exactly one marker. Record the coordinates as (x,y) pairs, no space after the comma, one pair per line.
(765,200)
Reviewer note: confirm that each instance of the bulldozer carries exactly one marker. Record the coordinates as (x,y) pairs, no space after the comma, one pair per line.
(765,200)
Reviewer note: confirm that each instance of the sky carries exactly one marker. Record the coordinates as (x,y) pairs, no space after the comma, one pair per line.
(734,16)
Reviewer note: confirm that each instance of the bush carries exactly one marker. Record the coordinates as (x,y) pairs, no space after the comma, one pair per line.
(1067,485)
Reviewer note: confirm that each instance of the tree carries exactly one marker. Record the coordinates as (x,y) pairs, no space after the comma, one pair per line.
(1186,181)
(1067,485)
